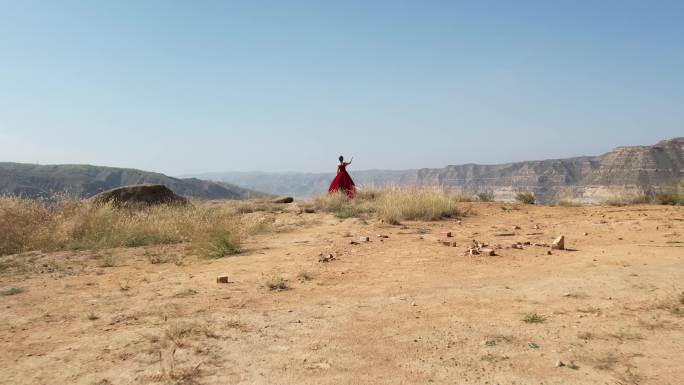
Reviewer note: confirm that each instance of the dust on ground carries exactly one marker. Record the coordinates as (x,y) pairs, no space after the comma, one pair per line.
(404,309)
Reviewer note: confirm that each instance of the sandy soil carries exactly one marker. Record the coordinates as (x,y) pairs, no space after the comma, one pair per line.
(398,310)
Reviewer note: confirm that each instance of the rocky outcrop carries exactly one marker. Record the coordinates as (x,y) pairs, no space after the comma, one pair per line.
(623,171)
(139,196)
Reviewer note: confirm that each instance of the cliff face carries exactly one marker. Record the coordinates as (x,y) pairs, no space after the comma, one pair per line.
(589,179)
(625,170)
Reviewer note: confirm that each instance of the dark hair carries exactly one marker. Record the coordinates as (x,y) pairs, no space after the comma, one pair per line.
(341,158)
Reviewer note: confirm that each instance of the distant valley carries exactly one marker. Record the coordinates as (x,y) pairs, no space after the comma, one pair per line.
(83,181)
(588,179)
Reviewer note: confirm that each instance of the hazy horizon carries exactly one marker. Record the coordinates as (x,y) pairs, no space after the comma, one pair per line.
(184,88)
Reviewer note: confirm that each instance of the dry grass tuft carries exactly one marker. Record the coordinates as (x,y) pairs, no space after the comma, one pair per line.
(11,291)
(304,276)
(276,284)
(486,196)
(534,318)
(673,303)
(627,200)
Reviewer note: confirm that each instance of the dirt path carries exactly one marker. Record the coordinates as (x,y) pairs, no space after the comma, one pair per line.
(398,310)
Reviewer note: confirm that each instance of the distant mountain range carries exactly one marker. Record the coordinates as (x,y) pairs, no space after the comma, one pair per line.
(623,171)
(83,181)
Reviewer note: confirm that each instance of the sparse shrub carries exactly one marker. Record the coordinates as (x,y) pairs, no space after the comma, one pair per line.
(525,197)
(486,196)
(533,318)
(670,198)
(276,284)
(627,199)
(11,291)
(186,293)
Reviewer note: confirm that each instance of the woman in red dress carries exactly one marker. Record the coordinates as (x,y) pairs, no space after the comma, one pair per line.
(342,182)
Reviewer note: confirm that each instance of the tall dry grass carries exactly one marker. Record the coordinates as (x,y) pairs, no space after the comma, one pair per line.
(397,204)
(33,225)
(392,204)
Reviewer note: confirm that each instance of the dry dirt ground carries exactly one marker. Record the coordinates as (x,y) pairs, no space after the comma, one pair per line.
(398,310)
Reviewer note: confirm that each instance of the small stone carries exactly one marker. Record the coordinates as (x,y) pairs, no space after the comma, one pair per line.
(504,234)
(558,243)
(516,227)
(353,243)
(446,234)
(585,234)
(413,303)
(487,252)
(383,236)
(326,258)
(222,279)
(559,364)
(548,252)
(364,239)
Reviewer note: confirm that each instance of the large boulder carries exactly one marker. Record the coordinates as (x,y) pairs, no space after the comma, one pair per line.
(283,200)
(139,195)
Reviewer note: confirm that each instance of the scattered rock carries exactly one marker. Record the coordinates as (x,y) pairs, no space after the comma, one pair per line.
(548,252)
(138,195)
(353,243)
(222,279)
(517,245)
(585,234)
(364,239)
(326,258)
(309,210)
(446,233)
(516,227)
(478,248)
(283,200)
(559,364)
(504,234)
(558,243)
(532,345)
(448,243)
(383,236)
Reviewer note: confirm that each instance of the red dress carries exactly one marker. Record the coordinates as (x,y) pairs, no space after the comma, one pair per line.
(342,182)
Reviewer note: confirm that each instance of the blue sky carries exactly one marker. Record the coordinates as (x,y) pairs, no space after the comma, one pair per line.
(192,86)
